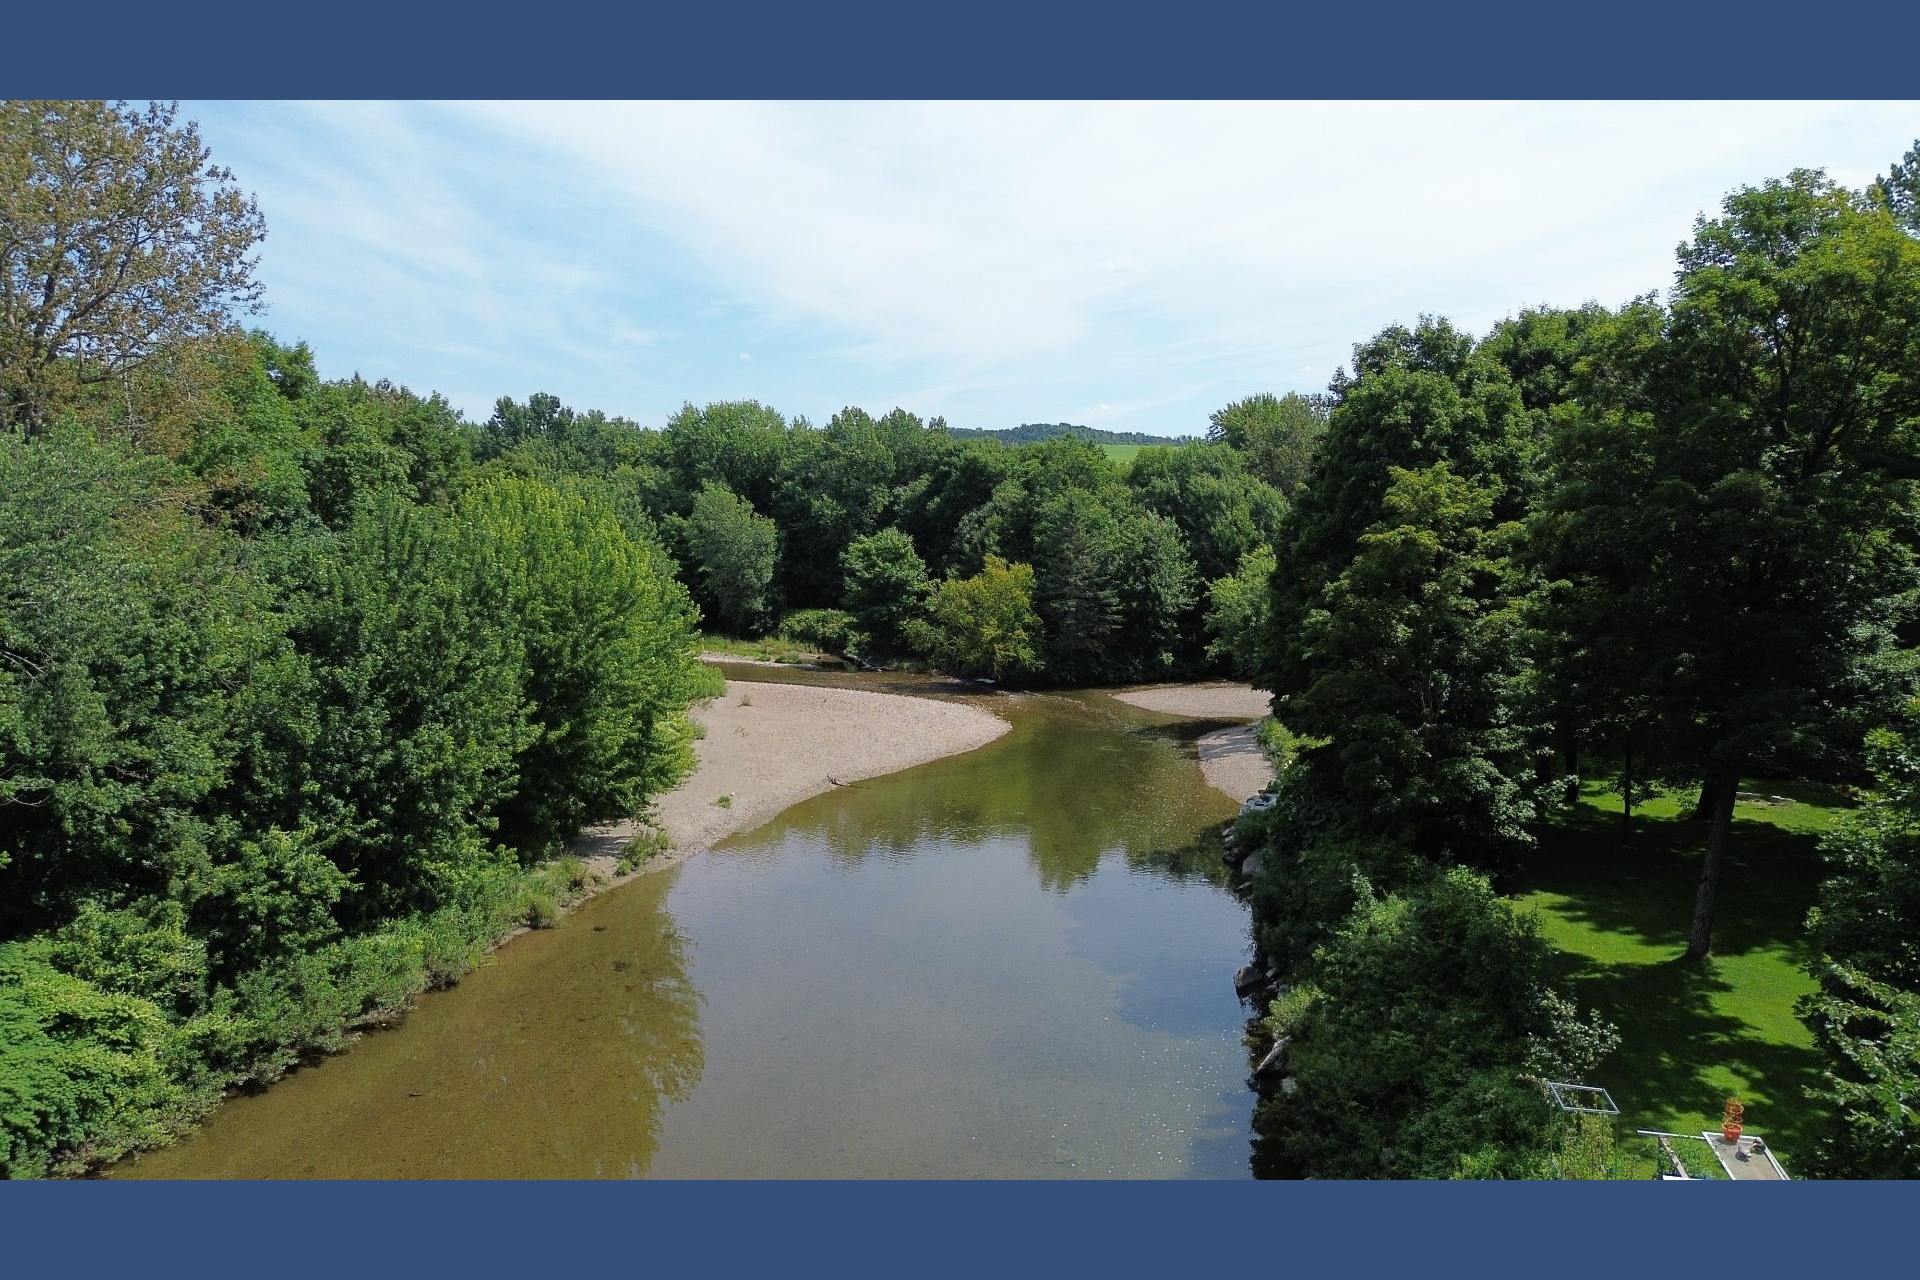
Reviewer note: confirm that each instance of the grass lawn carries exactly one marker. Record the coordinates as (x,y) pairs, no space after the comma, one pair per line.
(1692,1034)
(763,648)
(1126,453)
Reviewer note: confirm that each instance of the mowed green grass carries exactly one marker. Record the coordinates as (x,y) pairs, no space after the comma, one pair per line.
(1126,453)
(1692,1033)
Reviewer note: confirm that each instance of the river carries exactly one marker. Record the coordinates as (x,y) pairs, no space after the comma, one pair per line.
(1016,962)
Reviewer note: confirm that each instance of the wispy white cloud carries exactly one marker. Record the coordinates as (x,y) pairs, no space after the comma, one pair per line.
(1005,261)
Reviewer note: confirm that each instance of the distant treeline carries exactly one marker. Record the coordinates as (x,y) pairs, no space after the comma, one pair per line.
(1035,432)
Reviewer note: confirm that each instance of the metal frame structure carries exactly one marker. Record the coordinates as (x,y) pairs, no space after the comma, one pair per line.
(1565,1093)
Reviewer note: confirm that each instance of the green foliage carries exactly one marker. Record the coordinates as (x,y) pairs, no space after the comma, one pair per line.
(827,630)
(256,785)
(1222,512)
(238,428)
(733,548)
(1419,656)
(1586,1151)
(556,440)
(1239,610)
(1277,435)
(738,445)
(285,683)
(953,482)
(1039,432)
(1541,349)
(837,486)
(1871,1033)
(1868,916)
(1306,887)
(268,897)
(1733,505)
(365,439)
(608,656)
(1580,1148)
(1866,928)
(546,890)
(1899,189)
(984,625)
(1288,1014)
(143,951)
(127,630)
(1103,571)
(1416,398)
(1278,743)
(89,1071)
(1076,539)
(1426,1045)
(886,587)
(81,1068)
(413,721)
(648,842)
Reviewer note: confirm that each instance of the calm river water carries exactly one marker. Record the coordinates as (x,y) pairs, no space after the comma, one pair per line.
(1012,963)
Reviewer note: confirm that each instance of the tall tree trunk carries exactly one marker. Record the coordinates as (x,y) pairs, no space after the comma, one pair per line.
(1717,796)
(1569,760)
(1626,793)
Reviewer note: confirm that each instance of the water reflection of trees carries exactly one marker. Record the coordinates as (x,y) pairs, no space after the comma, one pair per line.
(568,1068)
(559,1062)
(1076,780)
(617,1038)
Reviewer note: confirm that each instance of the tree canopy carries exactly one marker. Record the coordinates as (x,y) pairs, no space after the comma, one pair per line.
(118,238)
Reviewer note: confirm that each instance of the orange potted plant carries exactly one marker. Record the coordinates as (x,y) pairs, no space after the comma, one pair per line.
(1730,1120)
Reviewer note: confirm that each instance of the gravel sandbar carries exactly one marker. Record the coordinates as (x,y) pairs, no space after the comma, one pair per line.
(1219,701)
(1232,762)
(1230,759)
(768,746)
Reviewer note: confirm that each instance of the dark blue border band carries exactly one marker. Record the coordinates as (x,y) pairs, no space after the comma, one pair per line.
(995,49)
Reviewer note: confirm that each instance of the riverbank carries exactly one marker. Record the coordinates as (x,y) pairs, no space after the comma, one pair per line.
(769,746)
(785,1006)
(1230,759)
(766,747)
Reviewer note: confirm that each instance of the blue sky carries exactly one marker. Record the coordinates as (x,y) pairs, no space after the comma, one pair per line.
(1132,266)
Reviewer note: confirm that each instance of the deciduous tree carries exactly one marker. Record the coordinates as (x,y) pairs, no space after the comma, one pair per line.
(983,625)
(1277,434)
(733,547)
(1772,422)
(886,586)
(116,238)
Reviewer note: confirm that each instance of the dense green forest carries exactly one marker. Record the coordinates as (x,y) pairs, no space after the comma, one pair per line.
(304,684)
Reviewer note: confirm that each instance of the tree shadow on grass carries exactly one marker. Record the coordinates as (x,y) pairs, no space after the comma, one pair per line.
(1689,1036)
(1680,1057)
(1643,891)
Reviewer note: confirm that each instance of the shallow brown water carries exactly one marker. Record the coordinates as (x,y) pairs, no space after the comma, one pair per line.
(1012,963)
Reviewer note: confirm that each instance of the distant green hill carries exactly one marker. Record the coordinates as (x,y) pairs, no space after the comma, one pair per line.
(1034,432)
